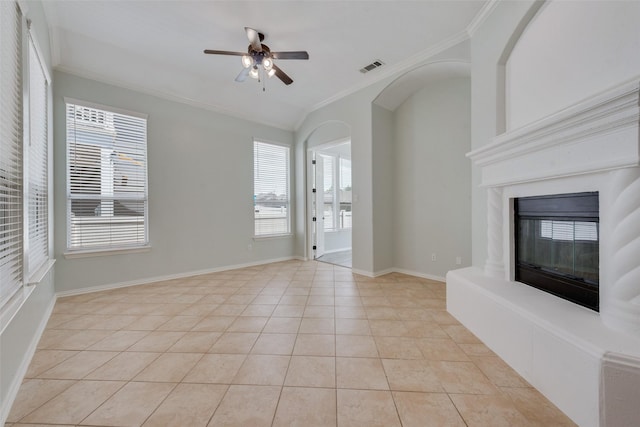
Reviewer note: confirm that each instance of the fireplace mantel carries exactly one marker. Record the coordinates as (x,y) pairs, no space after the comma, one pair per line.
(566,351)
(595,135)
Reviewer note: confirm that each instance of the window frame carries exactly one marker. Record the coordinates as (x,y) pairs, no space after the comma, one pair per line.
(288,149)
(336,185)
(35,273)
(83,252)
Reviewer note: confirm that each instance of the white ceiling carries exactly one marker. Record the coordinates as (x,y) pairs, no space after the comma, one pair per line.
(156,47)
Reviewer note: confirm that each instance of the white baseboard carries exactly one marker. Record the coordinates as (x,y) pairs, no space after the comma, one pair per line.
(5,406)
(363,272)
(398,270)
(148,280)
(418,274)
(383,272)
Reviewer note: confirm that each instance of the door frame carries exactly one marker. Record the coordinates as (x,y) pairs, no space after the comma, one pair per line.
(311,177)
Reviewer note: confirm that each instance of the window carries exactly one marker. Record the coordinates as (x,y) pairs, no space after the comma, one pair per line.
(106,178)
(329,192)
(569,230)
(345,194)
(38,200)
(271,189)
(11,152)
(24,160)
(336,171)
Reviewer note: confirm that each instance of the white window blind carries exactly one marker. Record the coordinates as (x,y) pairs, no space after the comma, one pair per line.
(569,230)
(11,150)
(271,189)
(106,178)
(38,204)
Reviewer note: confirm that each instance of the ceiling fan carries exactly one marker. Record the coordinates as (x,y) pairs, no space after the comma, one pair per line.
(259,56)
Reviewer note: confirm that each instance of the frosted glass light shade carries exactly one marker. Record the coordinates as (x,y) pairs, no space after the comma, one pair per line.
(247,61)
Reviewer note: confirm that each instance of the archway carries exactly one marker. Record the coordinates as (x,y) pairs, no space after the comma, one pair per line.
(328,189)
(421,197)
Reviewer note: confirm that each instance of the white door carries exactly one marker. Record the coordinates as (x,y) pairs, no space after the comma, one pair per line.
(318,212)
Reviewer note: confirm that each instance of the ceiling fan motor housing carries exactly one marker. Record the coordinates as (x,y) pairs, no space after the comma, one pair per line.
(259,56)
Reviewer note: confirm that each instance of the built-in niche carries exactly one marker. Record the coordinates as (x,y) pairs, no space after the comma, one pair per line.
(557,245)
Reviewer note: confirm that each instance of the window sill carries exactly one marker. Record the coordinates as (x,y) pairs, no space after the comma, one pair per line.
(273,236)
(11,308)
(105,252)
(37,277)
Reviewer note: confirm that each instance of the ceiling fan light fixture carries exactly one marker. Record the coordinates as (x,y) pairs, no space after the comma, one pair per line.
(247,61)
(272,72)
(254,73)
(267,63)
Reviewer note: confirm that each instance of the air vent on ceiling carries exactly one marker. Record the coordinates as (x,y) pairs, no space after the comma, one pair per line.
(375,64)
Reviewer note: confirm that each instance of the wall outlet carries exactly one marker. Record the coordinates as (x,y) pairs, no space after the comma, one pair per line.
(249,247)
(458,260)
(433,257)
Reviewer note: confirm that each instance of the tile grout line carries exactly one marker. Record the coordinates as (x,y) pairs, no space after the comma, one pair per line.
(246,284)
(335,355)
(275,411)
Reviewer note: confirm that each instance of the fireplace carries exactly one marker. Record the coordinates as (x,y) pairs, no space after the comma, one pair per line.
(588,151)
(557,245)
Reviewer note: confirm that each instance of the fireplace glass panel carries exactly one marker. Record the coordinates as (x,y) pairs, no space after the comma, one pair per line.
(568,248)
(557,245)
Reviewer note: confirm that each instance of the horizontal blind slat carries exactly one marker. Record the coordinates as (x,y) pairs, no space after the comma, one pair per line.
(271,189)
(11,149)
(107,179)
(38,163)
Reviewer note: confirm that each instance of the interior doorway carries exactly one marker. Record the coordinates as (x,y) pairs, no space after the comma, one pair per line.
(331,219)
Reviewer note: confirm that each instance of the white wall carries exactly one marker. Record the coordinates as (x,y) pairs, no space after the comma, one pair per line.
(328,133)
(488,45)
(337,240)
(432,203)
(200,190)
(383,190)
(355,112)
(20,336)
(554,65)
(373,168)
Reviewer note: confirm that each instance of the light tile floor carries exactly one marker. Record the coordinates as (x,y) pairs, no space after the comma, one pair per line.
(286,344)
(341,258)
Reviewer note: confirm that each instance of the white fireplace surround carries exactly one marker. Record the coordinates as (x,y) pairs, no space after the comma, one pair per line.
(587,363)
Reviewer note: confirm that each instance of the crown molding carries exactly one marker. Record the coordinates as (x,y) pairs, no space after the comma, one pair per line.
(170,97)
(381,74)
(482,15)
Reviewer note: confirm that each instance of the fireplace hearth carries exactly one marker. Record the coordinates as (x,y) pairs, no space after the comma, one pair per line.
(557,245)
